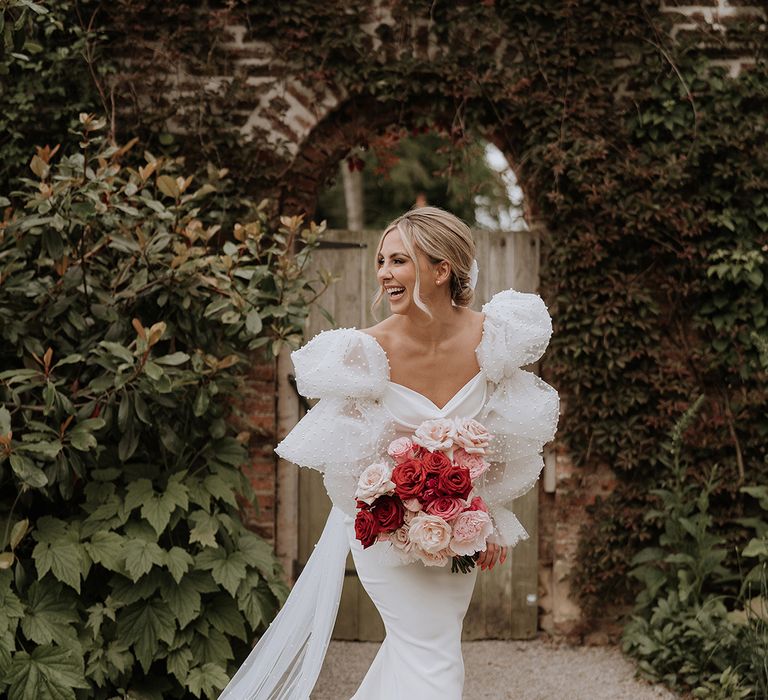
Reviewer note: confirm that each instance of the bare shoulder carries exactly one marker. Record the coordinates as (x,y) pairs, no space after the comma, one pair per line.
(380,331)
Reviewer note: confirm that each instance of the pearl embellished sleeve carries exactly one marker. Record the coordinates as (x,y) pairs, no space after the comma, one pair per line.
(348,428)
(522,410)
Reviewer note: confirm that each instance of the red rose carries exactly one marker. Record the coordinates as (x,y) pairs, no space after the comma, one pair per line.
(436,461)
(366,528)
(419,451)
(362,505)
(409,478)
(454,481)
(389,512)
(431,490)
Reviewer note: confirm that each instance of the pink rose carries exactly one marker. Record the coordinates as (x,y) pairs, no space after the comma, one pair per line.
(409,515)
(435,434)
(475,463)
(402,545)
(412,504)
(446,507)
(429,532)
(401,449)
(471,435)
(470,531)
(478,503)
(374,481)
(440,558)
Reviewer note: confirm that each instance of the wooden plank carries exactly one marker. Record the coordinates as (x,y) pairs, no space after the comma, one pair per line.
(524,562)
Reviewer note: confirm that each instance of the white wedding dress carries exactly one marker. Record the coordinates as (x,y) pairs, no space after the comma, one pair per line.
(359,413)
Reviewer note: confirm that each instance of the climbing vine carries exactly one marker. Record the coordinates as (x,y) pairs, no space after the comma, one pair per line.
(645,160)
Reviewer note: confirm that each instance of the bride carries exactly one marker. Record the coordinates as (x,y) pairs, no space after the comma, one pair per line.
(432,362)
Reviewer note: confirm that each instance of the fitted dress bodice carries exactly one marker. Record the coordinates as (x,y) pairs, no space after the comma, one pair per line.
(409,408)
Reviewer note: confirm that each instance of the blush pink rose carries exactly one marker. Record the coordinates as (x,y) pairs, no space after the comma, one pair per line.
(473,462)
(446,507)
(429,532)
(471,435)
(412,505)
(440,558)
(436,434)
(402,545)
(401,449)
(470,531)
(374,481)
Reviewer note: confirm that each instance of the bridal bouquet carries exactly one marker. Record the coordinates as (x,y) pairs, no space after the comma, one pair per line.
(423,501)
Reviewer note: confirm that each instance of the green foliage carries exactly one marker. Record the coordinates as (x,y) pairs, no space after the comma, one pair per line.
(44,79)
(682,632)
(127,319)
(646,163)
(397,167)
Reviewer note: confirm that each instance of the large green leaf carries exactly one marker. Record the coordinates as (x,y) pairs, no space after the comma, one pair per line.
(183,599)
(204,528)
(207,679)
(257,552)
(178,663)
(106,548)
(58,551)
(46,673)
(256,600)
(227,569)
(178,561)
(141,556)
(211,647)
(50,614)
(223,614)
(11,608)
(144,625)
(28,471)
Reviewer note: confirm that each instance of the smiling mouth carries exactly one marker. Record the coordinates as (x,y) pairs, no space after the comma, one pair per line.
(395,292)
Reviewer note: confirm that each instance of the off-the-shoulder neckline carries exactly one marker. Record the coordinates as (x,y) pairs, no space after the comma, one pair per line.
(483,336)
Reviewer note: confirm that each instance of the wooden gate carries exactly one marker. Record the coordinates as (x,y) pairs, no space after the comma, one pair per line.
(504,604)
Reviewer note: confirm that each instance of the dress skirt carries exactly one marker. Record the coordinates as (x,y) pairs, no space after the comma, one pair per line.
(423,610)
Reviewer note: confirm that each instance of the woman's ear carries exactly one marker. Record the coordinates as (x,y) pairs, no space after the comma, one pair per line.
(442,272)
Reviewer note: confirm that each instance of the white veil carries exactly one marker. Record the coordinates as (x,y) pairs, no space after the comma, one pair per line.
(286,662)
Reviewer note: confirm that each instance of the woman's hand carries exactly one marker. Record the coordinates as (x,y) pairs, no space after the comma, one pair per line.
(492,553)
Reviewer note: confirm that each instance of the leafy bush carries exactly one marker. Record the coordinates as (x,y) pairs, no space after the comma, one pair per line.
(682,632)
(45,78)
(125,332)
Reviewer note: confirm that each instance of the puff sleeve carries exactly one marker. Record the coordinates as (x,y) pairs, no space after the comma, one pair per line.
(344,431)
(521,411)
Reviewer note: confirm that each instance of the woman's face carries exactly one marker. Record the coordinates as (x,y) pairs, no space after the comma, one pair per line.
(396,273)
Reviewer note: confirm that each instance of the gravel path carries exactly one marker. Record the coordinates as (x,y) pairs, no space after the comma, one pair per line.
(497,670)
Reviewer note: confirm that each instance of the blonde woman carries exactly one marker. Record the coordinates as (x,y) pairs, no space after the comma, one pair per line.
(385,393)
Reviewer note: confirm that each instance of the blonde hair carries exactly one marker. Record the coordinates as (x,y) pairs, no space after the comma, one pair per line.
(440,236)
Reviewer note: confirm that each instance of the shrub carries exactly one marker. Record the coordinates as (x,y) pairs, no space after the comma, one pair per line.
(125,332)
(682,632)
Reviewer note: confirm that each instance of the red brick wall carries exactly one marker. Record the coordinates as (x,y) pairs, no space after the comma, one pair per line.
(255,415)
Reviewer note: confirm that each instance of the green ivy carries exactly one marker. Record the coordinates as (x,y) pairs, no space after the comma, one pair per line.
(126,327)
